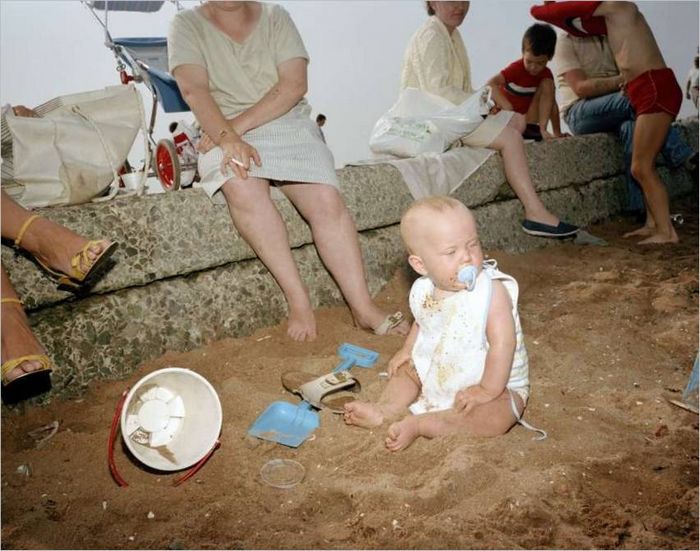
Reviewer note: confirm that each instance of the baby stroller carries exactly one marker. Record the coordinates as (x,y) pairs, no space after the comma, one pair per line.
(145,59)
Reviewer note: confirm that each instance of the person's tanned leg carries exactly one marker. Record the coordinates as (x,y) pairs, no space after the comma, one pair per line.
(17,337)
(649,135)
(336,240)
(48,241)
(510,143)
(259,222)
(533,112)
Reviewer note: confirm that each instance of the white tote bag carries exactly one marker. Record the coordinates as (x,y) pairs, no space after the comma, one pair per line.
(72,152)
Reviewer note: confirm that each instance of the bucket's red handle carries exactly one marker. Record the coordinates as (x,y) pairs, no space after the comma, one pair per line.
(198,466)
(112,437)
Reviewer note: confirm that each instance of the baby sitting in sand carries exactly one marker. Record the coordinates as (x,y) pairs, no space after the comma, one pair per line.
(463,367)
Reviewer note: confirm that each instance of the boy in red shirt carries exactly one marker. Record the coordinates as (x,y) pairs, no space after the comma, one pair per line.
(526,86)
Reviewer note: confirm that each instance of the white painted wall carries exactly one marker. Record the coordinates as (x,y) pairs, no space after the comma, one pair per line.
(48,48)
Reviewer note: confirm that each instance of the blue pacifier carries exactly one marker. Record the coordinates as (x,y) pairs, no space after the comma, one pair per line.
(467,275)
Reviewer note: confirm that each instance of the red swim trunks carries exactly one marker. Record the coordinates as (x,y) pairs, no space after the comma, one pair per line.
(576,18)
(655,91)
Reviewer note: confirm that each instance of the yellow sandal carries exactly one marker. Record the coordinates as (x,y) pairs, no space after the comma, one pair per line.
(29,383)
(78,277)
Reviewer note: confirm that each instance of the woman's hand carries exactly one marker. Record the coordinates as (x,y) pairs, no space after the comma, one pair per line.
(237,156)
(206,143)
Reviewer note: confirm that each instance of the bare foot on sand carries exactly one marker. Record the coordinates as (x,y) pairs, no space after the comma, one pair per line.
(402,434)
(301,324)
(644,231)
(363,414)
(659,237)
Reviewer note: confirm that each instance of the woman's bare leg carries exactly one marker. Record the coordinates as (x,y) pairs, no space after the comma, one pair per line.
(335,237)
(259,222)
(510,143)
(53,244)
(491,419)
(649,134)
(17,338)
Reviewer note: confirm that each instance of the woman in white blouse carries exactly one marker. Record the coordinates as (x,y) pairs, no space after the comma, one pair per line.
(436,61)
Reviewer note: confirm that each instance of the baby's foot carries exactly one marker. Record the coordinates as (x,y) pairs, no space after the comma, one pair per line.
(402,434)
(363,414)
(301,324)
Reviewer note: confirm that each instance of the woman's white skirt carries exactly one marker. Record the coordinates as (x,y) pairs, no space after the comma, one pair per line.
(290,149)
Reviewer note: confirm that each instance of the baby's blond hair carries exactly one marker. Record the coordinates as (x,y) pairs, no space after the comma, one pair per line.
(435,204)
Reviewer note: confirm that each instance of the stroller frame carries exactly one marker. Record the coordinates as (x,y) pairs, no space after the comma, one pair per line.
(163,155)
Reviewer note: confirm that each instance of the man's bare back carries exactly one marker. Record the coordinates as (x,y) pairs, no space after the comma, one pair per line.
(631,39)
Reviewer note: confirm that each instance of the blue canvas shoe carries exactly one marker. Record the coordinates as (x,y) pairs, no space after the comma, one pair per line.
(563,229)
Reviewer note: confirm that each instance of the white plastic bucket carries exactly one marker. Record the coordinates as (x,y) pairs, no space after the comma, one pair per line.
(171,419)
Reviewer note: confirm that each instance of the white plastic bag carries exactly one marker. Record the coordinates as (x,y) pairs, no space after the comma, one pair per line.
(421,122)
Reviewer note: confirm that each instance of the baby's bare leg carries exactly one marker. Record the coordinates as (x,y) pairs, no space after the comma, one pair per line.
(400,392)
(491,419)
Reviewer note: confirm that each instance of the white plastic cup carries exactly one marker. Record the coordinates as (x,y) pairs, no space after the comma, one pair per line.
(171,419)
(132,180)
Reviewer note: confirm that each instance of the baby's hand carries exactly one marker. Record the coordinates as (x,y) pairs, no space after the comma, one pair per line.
(397,360)
(468,398)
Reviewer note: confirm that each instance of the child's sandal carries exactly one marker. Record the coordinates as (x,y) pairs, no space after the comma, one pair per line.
(84,270)
(29,383)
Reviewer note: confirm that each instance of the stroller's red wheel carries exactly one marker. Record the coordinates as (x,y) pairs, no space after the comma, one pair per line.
(167,165)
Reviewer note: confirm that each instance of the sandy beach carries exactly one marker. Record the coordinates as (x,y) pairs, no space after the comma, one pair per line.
(611,333)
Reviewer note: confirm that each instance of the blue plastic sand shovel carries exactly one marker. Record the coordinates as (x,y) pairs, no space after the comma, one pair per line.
(291,425)
(285,423)
(353,355)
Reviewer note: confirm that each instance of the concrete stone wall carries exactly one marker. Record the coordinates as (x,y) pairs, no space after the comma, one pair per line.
(183,276)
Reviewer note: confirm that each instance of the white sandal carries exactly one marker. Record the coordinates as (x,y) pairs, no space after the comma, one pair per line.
(391,321)
(318,390)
